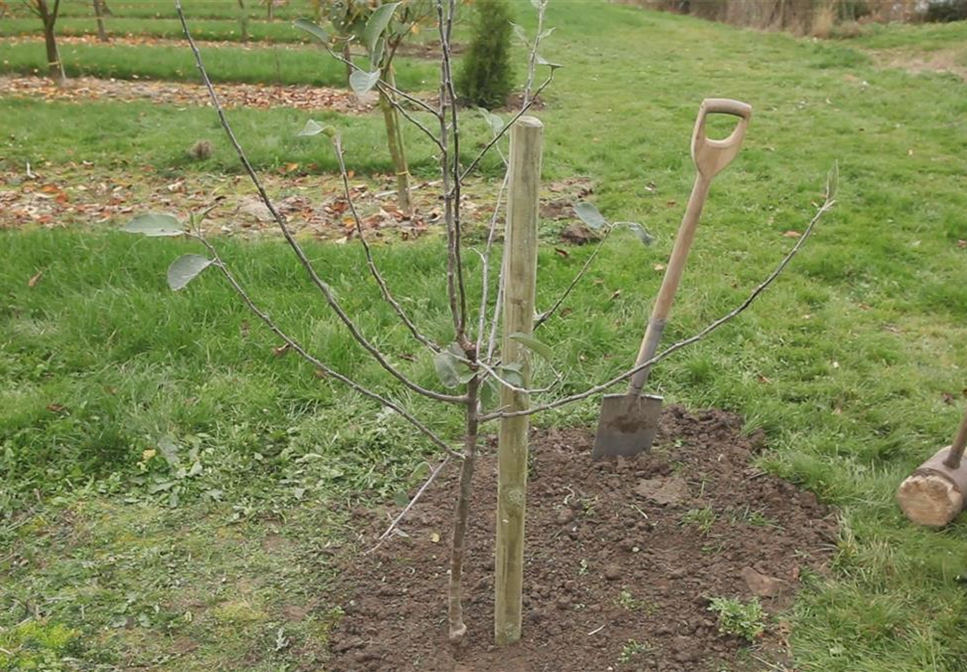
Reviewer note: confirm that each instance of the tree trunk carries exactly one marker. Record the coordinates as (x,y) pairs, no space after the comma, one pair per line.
(347,55)
(99,14)
(270,9)
(55,68)
(397,149)
(243,20)
(458,541)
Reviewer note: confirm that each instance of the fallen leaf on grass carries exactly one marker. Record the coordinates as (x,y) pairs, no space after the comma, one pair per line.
(792,234)
(35,279)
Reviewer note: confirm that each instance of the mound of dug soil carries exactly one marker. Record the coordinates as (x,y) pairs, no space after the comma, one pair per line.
(622,558)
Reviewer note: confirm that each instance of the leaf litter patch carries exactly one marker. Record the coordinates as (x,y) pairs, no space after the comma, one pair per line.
(86,195)
(183,94)
(681,560)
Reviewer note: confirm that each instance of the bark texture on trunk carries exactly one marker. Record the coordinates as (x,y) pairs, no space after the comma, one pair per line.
(460,519)
(99,15)
(55,68)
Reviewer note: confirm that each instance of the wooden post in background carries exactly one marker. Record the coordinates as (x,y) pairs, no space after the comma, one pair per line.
(520,282)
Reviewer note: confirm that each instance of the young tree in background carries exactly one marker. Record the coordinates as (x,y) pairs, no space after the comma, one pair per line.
(99,8)
(48,15)
(486,78)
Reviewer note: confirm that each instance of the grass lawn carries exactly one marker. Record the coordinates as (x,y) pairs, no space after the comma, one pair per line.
(166,26)
(228,64)
(117,550)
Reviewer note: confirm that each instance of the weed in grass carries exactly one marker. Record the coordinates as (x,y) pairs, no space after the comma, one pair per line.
(631,650)
(701,519)
(742,619)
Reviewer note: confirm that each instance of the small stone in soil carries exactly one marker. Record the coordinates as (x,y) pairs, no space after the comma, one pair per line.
(564,517)
(612,572)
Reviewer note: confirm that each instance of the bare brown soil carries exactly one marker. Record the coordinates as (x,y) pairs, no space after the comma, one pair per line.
(621,561)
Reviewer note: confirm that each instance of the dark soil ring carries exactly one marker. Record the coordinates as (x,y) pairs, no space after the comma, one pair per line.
(622,560)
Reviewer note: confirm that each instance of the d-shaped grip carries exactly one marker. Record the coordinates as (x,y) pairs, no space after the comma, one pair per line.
(712,156)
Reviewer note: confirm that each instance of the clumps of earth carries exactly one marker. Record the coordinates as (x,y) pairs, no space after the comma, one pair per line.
(628,562)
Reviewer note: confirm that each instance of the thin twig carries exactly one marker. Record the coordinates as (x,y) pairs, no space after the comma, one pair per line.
(290,239)
(384,85)
(827,205)
(503,131)
(457,176)
(532,57)
(485,263)
(402,514)
(370,262)
(315,361)
(547,314)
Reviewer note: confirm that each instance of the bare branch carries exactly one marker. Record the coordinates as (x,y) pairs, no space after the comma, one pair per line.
(416,122)
(827,205)
(485,264)
(402,514)
(290,239)
(296,347)
(383,85)
(503,131)
(457,177)
(370,262)
(495,321)
(448,202)
(532,57)
(547,314)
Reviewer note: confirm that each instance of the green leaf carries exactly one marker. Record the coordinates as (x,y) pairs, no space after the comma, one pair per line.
(512,373)
(640,231)
(154,225)
(488,393)
(540,60)
(590,215)
(533,345)
(376,55)
(446,368)
(313,29)
(185,268)
(362,82)
(377,23)
(315,128)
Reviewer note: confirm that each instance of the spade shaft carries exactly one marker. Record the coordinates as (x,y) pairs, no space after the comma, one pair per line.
(628,422)
(669,284)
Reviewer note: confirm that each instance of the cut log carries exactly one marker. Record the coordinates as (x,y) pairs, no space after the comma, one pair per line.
(934,494)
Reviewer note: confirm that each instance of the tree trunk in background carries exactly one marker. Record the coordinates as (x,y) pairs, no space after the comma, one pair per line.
(397,149)
(270,9)
(243,20)
(55,68)
(347,55)
(99,14)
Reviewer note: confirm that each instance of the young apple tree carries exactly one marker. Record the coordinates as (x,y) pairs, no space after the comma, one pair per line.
(481,381)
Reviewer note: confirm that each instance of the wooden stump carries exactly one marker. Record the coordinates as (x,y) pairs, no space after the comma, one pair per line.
(934,494)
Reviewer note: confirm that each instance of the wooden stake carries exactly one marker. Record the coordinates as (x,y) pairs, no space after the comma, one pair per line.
(520,278)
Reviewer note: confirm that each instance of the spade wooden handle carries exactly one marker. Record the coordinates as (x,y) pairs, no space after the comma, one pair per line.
(711,157)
